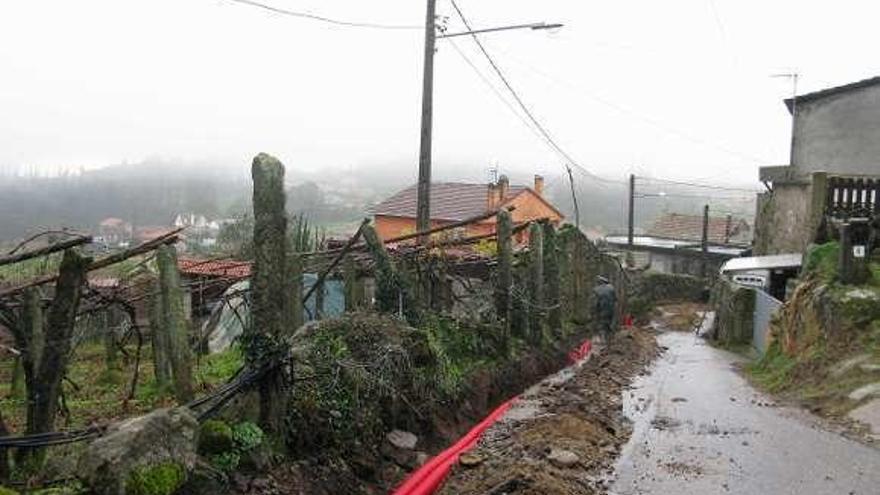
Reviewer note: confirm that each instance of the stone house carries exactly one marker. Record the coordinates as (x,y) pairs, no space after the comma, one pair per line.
(835,136)
(453,202)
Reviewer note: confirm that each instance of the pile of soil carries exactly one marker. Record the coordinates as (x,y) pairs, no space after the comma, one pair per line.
(562,434)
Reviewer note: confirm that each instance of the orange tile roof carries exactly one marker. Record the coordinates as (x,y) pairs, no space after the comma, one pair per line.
(214,268)
(690,228)
(452,201)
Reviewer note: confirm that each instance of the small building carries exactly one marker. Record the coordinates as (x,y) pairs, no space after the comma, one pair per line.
(835,139)
(115,232)
(200,230)
(768,273)
(454,201)
(673,244)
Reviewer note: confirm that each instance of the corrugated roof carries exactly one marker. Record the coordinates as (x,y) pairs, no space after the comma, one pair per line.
(690,228)
(771,262)
(452,201)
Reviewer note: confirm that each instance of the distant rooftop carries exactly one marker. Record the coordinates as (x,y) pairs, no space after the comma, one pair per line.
(681,227)
(656,242)
(453,201)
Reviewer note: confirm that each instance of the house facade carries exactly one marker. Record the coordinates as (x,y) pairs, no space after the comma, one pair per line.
(836,135)
(453,202)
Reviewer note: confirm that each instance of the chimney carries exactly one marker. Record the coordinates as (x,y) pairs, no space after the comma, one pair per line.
(503,188)
(539,185)
(491,199)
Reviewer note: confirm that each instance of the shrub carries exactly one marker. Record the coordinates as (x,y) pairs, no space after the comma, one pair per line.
(215,437)
(159,479)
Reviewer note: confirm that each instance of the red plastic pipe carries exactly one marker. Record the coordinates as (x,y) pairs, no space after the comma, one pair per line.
(428,478)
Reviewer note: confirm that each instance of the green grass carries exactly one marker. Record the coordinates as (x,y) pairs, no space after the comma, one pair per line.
(822,260)
(99,396)
(773,370)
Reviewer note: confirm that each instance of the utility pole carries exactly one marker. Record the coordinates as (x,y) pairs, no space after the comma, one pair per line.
(705,243)
(423,209)
(632,203)
(574,199)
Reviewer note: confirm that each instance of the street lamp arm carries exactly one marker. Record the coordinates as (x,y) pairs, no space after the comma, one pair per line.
(534,26)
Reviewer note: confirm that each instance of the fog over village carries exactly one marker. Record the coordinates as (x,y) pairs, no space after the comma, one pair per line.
(439,246)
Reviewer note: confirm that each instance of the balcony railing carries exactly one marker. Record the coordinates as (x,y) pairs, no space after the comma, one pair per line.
(849,197)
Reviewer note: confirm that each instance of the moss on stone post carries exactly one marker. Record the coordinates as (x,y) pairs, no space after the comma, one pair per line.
(319,300)
(563,249)
(536,284)
(270,287)
(16,385)
(174,324)
(392,291)
(349,279)
(580,281)
(159,339)
(504,271)
(108,320)
(295,264)
(44,389)
(519,310)
(551,280)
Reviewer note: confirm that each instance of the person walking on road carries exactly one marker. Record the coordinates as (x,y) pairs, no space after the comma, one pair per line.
(604,308)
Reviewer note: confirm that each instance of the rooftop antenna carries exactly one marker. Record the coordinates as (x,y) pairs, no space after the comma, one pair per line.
(493,173)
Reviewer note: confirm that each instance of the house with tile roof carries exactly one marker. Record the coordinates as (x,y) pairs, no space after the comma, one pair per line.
(454,201)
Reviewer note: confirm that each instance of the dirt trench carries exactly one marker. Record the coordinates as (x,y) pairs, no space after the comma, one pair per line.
(563,434)
(361,471)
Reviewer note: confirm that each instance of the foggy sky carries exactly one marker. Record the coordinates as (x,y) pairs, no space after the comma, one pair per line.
(675,89)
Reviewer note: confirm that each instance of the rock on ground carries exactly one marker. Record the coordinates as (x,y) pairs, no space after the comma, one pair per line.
(165,437)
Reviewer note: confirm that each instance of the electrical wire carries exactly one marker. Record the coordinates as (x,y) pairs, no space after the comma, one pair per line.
(696,184)
(328,20)
(495,90)
(544,132)
(635,115)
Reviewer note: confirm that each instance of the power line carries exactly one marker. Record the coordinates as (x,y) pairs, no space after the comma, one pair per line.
(695,184)
(633,114)
(546,134)
(328,20)
(493,88)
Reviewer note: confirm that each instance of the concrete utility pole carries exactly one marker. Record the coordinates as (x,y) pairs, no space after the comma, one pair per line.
(423,209)
(423,206)
(705,243)
(631,217)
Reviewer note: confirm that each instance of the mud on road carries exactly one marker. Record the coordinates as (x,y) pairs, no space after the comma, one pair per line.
(563,434)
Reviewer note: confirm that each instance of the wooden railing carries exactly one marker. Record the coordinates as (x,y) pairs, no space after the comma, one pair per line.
(849,197)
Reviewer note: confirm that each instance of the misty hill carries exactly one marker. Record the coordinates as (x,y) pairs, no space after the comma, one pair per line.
(152,192)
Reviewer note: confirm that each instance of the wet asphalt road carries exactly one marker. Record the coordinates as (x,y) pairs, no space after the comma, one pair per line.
(699,428)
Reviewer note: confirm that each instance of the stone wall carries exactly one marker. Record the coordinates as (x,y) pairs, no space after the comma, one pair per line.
(783,223)
(648,289)
(734,307)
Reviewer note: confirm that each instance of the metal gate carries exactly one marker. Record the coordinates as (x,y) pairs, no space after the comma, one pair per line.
(765,307)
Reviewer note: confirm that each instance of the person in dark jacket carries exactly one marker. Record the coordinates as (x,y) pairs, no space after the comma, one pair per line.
(604,308)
